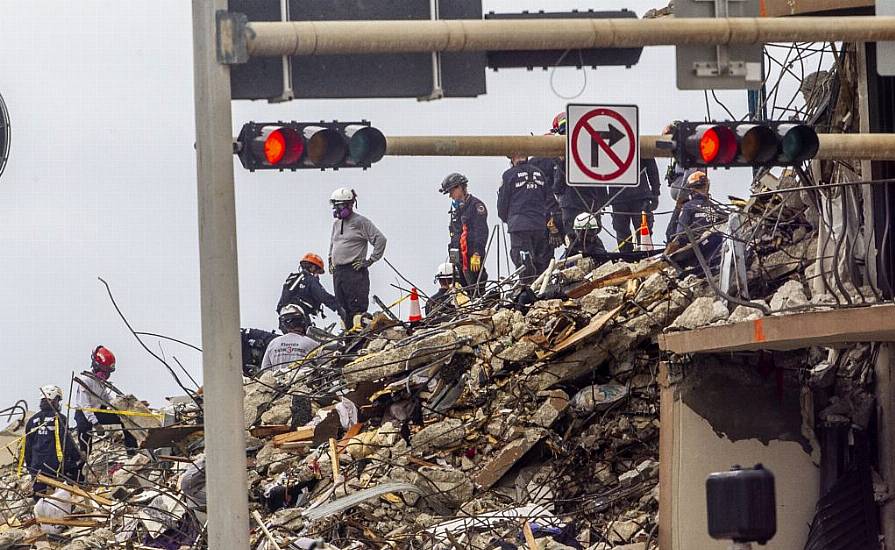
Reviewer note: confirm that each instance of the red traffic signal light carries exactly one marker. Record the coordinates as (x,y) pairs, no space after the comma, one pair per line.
(730,144)
(298,145)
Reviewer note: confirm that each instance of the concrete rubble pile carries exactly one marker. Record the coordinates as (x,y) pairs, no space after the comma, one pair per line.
(499,422)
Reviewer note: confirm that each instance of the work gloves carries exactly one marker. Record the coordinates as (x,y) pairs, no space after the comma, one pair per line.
(475,263)
(361,264)
(554,237)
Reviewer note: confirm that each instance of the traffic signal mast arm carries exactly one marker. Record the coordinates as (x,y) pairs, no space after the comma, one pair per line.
(832,146)
(274,39)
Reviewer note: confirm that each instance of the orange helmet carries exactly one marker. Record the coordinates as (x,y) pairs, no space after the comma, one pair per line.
(313,259)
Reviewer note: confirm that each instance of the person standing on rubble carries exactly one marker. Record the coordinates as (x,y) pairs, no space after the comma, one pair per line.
(696,219)
(293,344)
(522,205)
(631,203)
(573,200)
(49,448)
(304,289)
(348,261)
(469,233)
(92,395)
(676,176)
(443,300)
(587,238)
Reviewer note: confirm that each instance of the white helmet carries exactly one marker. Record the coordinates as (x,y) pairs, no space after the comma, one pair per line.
(445,271)
(342,194)
(586,220)
(51,392)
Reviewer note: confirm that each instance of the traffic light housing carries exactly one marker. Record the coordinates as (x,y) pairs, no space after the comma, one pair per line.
(729,144)
(303,145)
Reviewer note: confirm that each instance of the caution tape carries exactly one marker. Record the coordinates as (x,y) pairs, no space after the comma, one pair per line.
(160,416)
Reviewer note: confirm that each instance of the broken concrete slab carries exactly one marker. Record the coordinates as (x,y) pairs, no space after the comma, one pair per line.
(551,409)
(501,463)
(415,353)
(703,311)
(447,433)
(790,295)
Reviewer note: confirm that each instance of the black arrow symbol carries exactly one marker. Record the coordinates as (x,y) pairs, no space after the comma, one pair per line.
(610,137)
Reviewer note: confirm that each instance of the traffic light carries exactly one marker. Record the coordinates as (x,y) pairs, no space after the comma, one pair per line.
(299,145)
(727,144)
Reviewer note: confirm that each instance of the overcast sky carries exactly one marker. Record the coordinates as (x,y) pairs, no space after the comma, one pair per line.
(101,181)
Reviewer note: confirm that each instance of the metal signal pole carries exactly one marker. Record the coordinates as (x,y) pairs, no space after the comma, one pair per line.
(225,462)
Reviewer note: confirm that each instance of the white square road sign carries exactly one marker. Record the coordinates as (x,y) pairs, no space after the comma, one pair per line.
(602,145)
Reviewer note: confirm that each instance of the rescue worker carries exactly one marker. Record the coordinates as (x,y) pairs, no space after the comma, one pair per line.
(294,344)
(697,219)
(469,233)
(573,200)
(348,261)
(631,202)
(587,237)
(521,204)
(93,394)
(304,289)
(49,447)
(676,176)
(443,300)
(549,166)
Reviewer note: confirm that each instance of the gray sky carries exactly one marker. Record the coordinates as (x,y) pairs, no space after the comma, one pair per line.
(101,181)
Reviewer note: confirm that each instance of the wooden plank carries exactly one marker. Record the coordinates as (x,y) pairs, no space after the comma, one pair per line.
(74,489)
(353,431)
(616,279)
(305,433)
(787,332)
(269,430)
(69,522)
(596,325)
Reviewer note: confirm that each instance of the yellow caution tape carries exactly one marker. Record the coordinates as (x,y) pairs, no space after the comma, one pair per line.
(58,444)
(160,416)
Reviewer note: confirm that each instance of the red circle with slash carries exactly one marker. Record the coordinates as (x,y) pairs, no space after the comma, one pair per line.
(584,124)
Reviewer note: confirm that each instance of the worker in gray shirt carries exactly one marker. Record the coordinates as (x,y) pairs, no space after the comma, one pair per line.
(348,261)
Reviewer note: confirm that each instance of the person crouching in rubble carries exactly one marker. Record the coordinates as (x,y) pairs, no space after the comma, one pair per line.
(443,300)
(293,344)
(92,395)
(304,289)
(697,218)
(49,448)
(587,237)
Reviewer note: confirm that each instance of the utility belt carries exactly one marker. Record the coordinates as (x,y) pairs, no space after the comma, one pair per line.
(346,267)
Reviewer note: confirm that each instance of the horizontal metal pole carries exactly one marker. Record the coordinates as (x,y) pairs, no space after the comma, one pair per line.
(273,39)
(832,146)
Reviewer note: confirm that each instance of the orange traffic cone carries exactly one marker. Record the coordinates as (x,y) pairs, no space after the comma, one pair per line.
(415,314)
(646,240)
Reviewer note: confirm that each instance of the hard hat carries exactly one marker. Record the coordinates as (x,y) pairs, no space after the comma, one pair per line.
(445,271)
(697,180)
(313,259)
(342,194)
(586,220)
(292,316)
(102,359)
(559,123)
(451,181)
(51,392)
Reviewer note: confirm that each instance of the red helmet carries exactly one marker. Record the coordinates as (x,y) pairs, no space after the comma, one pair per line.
(102,359)
(313,259)
(559,124)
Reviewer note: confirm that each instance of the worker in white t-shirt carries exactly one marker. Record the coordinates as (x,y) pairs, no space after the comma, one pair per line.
(293,344)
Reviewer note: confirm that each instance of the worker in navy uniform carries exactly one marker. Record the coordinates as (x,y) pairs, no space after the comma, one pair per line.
(304,289)
(573,200)
(697,219)
(522,205)
(631,202)
(49,447)
(587,237)
(443,300)
(469,233)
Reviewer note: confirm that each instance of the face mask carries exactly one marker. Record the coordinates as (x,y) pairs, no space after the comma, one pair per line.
(341,212)
(102,374)
(455,204)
